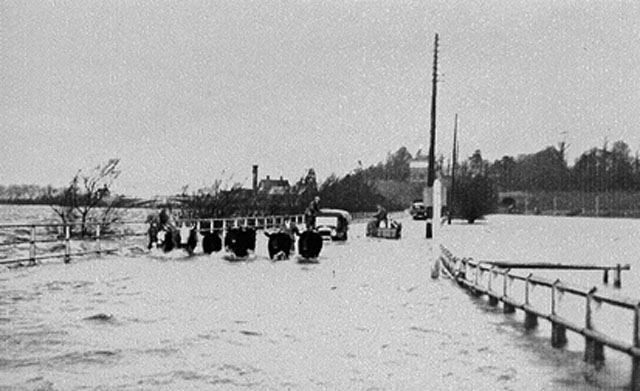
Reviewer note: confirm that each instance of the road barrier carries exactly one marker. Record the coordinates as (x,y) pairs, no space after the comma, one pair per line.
(483,278)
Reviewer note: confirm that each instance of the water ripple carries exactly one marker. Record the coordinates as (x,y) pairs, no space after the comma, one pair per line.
(101,319)
(92,357)
(251,333)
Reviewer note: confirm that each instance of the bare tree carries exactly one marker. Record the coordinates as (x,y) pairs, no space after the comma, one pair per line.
(64,206)
(95,188)
(87,191)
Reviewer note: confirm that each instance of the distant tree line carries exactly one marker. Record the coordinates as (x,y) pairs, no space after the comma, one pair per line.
(28,194)
(609,168)
(387,183)
(49,195)
(219,201)
(596,170)
(351,192)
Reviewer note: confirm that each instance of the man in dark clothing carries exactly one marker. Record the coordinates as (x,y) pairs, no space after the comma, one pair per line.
(381,215)
(311,212)
(165,218)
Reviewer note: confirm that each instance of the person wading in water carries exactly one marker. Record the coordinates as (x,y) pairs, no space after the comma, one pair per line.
(311,212)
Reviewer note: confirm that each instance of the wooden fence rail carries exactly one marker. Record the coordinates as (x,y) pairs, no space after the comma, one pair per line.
(117,231)
(470,274)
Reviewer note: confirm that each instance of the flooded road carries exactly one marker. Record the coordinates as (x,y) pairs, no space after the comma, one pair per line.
(368,316)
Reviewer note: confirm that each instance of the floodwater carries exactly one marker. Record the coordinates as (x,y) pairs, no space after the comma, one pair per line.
(367,316)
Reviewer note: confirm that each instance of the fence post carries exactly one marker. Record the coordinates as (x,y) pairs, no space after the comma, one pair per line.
(122,231)
(558,331)
(506,284)
(526,289)
(478,270)
(465,264)
(98,249)
(457,265)
(32,246)
(617,278)
(635,363)
(493,301)
(67,244)
(593,350)
(530,319)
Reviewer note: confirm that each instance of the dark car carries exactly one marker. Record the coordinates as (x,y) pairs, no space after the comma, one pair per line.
(333,224)
(418,210)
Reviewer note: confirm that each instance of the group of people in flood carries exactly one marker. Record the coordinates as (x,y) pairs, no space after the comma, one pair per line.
(240,241)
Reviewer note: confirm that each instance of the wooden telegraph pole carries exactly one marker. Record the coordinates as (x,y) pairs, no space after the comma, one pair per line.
(431,175)
(454,161)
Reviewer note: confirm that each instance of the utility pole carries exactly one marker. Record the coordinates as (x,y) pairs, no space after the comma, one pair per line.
(432,141)
(431,175)
(454,160)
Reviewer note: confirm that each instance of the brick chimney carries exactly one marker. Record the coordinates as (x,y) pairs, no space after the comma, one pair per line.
(255,177)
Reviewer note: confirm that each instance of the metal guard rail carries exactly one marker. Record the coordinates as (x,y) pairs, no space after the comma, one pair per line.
(595,340)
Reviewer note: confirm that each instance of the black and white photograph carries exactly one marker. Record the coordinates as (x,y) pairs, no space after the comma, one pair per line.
(320,195)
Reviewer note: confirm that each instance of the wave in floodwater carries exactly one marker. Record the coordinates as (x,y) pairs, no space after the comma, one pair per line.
(366,316)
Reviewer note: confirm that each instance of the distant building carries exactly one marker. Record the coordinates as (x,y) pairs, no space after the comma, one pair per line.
(274,186)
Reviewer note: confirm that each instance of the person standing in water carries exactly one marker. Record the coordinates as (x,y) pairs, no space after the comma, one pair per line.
(166,219)
(311,212)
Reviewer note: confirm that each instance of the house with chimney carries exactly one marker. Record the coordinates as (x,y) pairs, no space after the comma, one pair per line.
(268,185)
(273,186)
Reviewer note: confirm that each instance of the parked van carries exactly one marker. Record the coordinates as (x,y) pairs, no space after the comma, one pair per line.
(333,224)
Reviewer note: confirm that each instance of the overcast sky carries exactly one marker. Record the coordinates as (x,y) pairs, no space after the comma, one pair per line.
(186,92)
